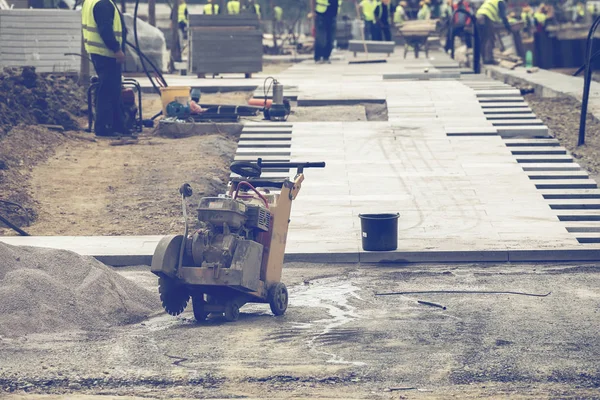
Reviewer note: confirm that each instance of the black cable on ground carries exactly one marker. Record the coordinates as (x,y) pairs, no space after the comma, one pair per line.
(13,226)
(463,292)
(12,203)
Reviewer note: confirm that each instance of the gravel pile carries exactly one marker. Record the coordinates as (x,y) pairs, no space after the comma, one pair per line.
(27,97)
(45,290)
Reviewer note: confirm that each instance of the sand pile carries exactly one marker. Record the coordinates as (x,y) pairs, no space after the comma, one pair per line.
(27,97)
(44,290)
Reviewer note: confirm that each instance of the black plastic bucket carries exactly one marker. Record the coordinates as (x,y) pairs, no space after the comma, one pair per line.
(379,231)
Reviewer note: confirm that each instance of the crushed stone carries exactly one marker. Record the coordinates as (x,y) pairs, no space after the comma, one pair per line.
(49,291)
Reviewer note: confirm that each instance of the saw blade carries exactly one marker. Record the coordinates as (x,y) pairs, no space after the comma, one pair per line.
(174,297)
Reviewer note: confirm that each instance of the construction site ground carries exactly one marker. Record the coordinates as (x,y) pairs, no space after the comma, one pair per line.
(339,339)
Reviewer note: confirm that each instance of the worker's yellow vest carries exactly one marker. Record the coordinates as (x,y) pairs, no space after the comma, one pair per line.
(208,9)
(399,15)
(540,18)
(424,13)
(233,7)
(368,9)
(322,5)
(181,9)
(91,38)
(490,9)
(580,10)
(278,13)
(257,10)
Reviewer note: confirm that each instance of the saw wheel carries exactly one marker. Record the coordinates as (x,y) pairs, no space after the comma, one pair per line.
(174,297)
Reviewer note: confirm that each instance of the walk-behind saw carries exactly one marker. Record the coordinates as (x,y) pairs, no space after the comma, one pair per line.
(235,253)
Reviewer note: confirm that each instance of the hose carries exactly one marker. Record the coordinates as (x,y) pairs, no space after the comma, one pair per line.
(10,224)
(137,47)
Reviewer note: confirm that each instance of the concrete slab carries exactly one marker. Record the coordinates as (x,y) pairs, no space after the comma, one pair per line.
(523,131)
(536,159)
(574,204)
(511,116)
(550,167)
(531,142)
(571,194)
(517,122)
(556,175)
(522,150)
(566,184)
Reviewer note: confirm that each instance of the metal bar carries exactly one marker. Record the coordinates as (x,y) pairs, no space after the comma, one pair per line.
(587,81)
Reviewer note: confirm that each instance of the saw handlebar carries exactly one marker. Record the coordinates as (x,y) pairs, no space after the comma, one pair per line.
(300,166)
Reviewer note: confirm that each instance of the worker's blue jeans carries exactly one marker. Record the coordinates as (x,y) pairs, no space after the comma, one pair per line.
(325,35)
(109,109)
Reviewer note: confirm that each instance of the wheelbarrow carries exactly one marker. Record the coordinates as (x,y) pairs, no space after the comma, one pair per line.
(415,34)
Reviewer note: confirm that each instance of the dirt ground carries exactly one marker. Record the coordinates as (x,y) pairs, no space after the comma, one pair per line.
(561,115)
(339,340)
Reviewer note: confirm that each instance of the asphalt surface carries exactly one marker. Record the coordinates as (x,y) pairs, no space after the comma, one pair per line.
(339,340)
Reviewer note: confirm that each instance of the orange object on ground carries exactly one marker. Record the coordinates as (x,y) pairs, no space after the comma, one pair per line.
(257,101)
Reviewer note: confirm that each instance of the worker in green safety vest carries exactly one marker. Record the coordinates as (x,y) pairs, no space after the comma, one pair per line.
(527,18)
(425,11)
(367,7)
(540,17)
(400,14)
(325,28)
(211,8)
(233,7)
(104,36)
(579,13)
(491,12)
(278,19)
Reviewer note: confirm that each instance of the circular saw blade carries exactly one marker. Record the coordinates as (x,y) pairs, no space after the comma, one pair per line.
(174,297)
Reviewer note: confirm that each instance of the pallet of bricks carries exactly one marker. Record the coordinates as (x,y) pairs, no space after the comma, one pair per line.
(222,44)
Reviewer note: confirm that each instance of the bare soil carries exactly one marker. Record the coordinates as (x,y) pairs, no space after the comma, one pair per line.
(561,115)
(93,188)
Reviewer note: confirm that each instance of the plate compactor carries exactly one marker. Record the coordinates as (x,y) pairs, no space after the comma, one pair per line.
(235,253)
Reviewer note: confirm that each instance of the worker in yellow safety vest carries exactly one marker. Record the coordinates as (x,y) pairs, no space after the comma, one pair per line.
(540,17)
(326,12)
(591,10)
(182,17)
(367,7)
(527,18)
(424,12)
(211,8)
(400,14)
(579,13)
(104,36)
(491,12)
(233,7)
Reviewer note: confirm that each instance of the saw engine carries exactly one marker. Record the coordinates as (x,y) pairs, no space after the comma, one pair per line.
(224,223)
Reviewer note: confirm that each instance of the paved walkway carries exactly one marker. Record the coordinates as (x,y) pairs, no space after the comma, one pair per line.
(473,173)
